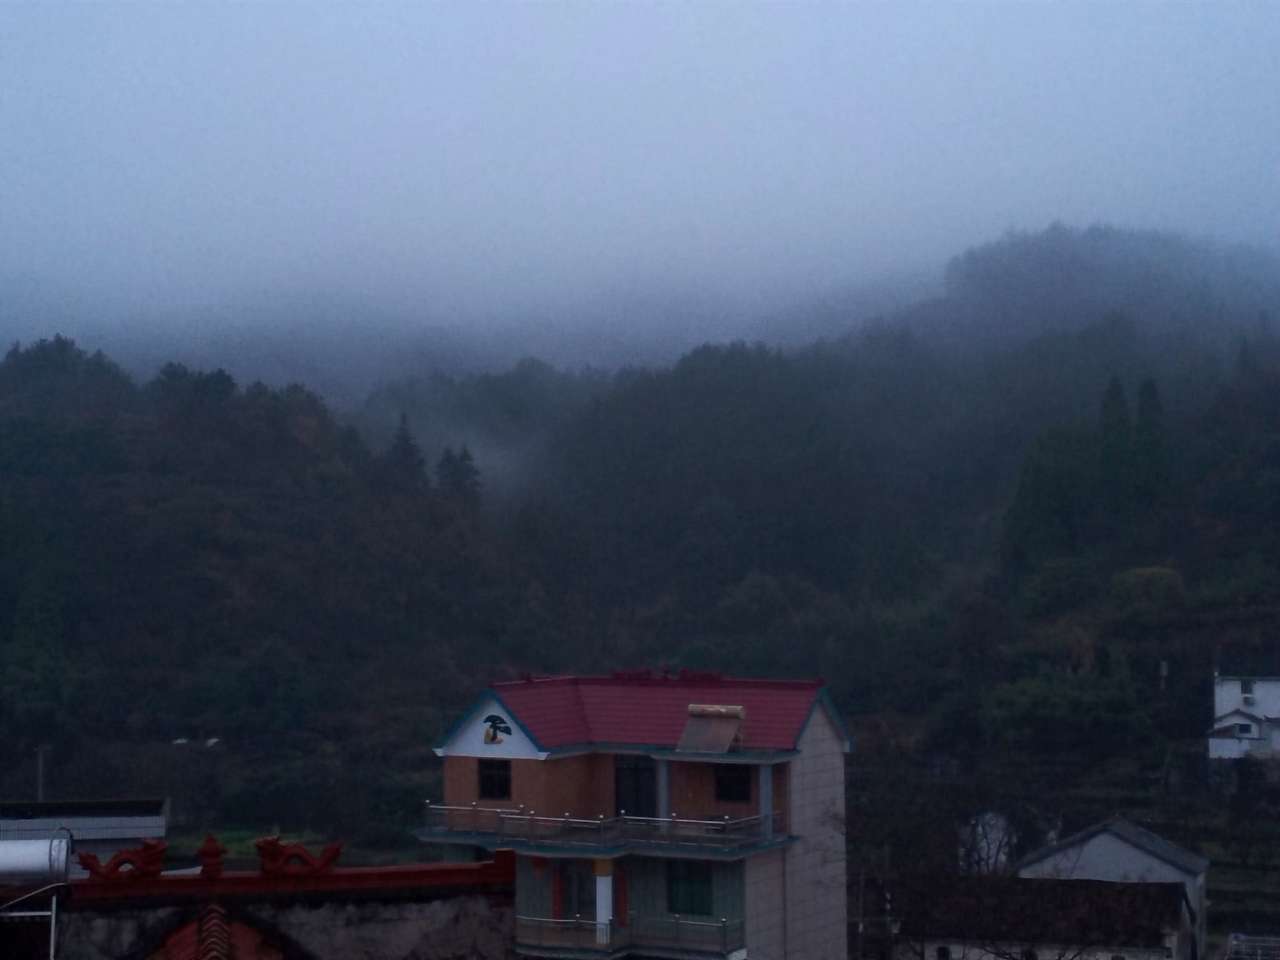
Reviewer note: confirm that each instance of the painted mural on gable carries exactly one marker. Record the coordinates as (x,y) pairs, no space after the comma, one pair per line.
(490,730)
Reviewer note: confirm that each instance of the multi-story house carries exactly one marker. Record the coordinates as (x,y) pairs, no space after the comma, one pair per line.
(1246,716)
(688,816)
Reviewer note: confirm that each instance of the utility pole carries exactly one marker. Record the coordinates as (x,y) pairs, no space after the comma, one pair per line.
(40,752)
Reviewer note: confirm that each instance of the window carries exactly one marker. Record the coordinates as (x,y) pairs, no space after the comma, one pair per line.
(495,779)
(942,953)
(1117,956)
(733,783)
(1029,954)
(1246,687)
(689,888)
(1244,729)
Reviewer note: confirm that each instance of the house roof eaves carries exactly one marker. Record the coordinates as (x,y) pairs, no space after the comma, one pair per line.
(1131,833)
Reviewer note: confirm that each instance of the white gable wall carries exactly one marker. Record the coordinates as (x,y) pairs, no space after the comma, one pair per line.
(472,739)
(1261,738)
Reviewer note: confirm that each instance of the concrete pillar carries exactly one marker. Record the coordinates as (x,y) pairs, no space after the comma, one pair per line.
(663,770)
(766,799)
(604,900)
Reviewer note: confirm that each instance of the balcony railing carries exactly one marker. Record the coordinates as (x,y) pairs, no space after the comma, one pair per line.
(525,827)
(680,934)
(574,934)
(675,933)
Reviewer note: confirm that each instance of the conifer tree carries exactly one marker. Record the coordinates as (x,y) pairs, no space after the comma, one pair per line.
(403,462)
(1150,449)
(1115,448)
(458,476)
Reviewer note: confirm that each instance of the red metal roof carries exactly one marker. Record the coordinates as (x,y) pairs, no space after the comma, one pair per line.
(645,709)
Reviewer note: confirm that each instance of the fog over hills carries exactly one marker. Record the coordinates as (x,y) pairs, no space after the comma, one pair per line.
(342,193)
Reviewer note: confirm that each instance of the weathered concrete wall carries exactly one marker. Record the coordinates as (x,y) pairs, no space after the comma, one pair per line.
(452,928)
(116,935)
(458,928)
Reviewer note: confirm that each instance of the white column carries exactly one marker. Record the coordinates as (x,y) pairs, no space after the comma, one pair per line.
(604,900)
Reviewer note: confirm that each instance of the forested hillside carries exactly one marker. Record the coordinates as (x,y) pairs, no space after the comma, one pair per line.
(1027,546)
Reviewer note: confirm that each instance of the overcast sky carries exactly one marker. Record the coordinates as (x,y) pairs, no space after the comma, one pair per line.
(464,161)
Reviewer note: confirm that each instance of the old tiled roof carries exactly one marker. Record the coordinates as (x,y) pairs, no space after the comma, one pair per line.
(1079,913)
(645,709)
(1157,846)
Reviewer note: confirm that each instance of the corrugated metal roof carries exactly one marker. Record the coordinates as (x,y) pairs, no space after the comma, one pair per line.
(84,828)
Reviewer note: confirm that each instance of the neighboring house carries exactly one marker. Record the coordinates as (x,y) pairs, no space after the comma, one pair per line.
(687,816)
(1246,717)
(1015,918)
(1119,851)
(100,827)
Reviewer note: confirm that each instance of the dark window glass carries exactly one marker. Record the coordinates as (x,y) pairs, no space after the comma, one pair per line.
(495,779)
(1029,955)
(733,783)
(944,953)
(689,888)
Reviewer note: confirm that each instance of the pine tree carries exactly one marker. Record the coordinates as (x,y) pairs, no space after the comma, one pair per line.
(1115,449)
(403,463)
(458,477)
(1150,449)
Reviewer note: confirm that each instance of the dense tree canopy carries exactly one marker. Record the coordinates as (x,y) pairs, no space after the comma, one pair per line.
(1020,545)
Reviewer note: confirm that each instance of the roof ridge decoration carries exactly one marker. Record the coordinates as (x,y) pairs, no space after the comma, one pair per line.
(215,934)
(294,859)
(125,865)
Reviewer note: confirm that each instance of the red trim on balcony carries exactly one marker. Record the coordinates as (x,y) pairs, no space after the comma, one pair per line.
(620,904)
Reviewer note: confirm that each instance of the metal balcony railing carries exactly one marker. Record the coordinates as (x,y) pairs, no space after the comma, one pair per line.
(676,933)
(520,826)
(715,937)
(574,934)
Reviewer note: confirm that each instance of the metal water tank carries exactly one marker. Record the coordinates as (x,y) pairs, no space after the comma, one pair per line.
(33,861)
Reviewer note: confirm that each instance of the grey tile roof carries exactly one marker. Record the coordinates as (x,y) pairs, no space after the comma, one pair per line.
(1136,836)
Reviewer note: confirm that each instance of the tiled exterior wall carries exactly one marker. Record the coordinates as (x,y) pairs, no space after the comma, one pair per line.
(693,793)
(816,909)
(582,785)
(763,900)
(461,780)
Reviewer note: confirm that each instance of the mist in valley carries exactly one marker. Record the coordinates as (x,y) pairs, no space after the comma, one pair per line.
(343,194)
(928,348)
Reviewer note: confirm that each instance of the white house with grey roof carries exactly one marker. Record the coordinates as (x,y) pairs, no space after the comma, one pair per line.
(1246,717)
(1120,851)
